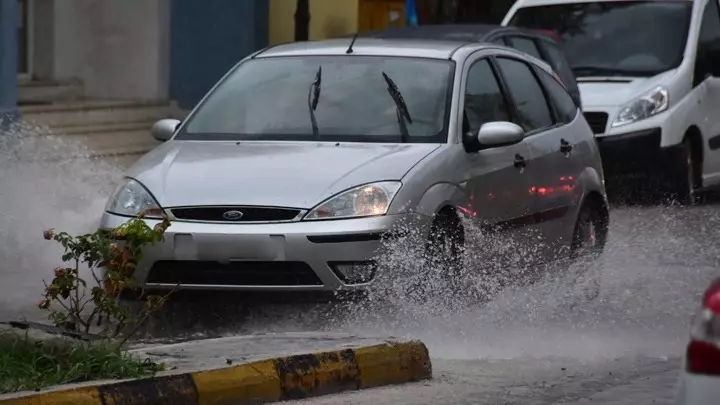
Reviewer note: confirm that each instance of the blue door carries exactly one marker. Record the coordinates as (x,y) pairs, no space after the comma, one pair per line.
(207,38)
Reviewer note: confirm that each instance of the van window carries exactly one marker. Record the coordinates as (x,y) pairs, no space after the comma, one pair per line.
(564,104)
(484,101)
(708,42)
(615,38)
(532,107)
(525,45)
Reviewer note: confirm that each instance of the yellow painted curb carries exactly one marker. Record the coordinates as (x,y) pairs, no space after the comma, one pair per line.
(283,378)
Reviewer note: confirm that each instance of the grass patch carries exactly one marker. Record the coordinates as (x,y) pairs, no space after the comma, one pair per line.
(25,365)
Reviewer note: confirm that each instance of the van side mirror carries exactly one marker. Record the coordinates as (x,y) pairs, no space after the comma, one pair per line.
(164,129)
(499,133)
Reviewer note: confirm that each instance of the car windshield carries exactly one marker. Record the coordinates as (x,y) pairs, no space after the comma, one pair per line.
(615,38)
(358,99)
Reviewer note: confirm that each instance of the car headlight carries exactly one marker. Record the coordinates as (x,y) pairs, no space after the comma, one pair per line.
(362,201)
(654,102)
(132,198)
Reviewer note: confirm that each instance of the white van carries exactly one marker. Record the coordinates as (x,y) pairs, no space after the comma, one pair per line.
(649,78)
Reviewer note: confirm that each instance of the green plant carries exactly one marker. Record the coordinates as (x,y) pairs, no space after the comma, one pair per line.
(29,365)
(114,254)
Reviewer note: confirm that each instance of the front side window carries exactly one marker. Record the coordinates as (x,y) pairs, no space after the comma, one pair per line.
(615,38)
(484,101)
(268,99)
(532,107)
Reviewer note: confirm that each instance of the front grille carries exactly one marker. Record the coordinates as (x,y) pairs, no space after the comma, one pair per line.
(249,214)
(597,121)
(274,273)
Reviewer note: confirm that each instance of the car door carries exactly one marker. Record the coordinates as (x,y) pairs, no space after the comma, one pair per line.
(550,146)
(497,179)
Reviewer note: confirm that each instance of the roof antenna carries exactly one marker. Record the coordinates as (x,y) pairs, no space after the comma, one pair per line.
(350,48)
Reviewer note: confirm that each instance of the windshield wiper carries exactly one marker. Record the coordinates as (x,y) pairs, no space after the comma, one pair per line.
(403,116)
(608,71)
(313,98)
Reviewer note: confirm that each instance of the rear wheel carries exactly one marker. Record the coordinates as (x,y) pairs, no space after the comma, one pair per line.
(589,239)
(590,234)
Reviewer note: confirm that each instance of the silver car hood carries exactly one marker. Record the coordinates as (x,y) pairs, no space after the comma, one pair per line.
(289,174)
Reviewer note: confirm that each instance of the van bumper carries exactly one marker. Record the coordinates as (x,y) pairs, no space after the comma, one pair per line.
(638,154)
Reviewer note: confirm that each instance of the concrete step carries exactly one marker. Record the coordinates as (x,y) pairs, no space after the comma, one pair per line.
(95,112)
(117,143)
(48,91)
(102,128)
(102,144)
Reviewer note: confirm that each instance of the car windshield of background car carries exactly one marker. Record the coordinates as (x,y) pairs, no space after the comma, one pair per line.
(267,99)
(637,38)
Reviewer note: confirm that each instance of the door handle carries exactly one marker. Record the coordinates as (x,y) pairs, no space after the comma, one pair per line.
(565,147)
(520,161)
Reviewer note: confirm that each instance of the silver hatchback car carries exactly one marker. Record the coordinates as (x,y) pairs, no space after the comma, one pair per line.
(292,170)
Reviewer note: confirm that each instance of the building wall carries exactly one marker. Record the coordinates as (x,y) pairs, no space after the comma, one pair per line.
(328,18)
(119,49)
(208,38)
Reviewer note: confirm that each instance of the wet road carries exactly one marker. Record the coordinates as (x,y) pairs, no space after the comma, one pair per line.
(546,381)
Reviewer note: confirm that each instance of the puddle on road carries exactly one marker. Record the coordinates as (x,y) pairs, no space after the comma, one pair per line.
(657,261)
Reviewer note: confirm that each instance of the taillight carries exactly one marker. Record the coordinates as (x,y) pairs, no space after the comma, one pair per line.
(703,351)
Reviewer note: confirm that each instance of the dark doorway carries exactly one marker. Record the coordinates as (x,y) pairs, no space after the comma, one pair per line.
(462,11)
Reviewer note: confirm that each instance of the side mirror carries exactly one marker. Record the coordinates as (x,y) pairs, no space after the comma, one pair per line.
(164,129)
(499,133)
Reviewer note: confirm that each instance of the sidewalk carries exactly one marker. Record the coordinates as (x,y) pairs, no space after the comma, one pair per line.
(251,369)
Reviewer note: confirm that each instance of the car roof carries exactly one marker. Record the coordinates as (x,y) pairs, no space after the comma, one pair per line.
(367,46)
(531,3)
(453,32)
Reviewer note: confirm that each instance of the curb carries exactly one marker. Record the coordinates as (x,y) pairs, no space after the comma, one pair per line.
(278,379)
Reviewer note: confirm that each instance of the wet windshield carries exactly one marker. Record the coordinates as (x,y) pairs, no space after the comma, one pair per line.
(618,38)
(273,99)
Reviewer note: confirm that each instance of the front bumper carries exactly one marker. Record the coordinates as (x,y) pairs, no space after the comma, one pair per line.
(288,256)
(638,153)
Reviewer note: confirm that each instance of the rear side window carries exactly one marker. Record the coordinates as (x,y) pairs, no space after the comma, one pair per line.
(557,59)
(560,66)
(532,107)
(559,96)
(525,45)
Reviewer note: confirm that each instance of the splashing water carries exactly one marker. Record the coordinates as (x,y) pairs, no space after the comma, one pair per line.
(637,298)
(46,182)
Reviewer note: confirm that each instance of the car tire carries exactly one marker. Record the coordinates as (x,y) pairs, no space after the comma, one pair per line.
(688,182)
(444,250)
(588,243)
(590,231)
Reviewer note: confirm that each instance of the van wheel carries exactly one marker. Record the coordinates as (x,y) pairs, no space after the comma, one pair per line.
(688,181)
(445,247)
(590,234)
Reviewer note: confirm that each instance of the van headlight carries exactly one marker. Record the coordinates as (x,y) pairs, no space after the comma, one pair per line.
(131,198)
(363,201)
(653,102)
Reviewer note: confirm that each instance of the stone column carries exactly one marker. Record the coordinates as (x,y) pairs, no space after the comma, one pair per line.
(9,18)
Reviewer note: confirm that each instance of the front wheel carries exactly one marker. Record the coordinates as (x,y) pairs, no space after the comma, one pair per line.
(688,181)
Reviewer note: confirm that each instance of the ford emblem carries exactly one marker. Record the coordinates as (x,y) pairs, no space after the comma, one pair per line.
(232,215)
